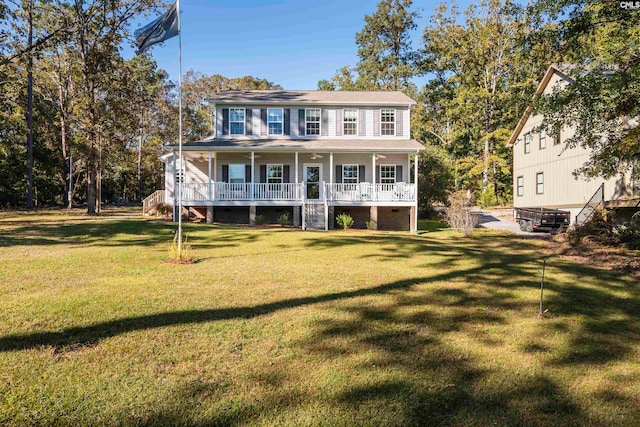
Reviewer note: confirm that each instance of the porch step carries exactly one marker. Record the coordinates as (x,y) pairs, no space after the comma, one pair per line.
(314,216)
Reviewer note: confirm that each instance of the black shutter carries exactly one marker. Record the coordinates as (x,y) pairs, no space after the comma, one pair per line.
(325,122)
(339,174)
(263,173)
(286,175)
(247,173)
(287,121)
(263,120)
(378,174)
(225,121)
(361,173)
(399,173)
(248,127)
(301,122)
(225,173)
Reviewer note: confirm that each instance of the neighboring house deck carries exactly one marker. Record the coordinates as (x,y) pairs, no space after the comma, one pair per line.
(543,166)
(310,154)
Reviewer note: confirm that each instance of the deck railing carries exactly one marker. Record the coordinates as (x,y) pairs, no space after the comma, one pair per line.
(361,192)
(152,201)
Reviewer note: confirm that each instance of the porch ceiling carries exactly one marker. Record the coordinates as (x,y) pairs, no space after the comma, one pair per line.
(314,145)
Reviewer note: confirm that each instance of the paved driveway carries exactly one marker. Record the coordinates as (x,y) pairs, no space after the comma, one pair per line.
(502,219)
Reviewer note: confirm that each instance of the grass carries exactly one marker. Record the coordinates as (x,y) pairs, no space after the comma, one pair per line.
(279,326)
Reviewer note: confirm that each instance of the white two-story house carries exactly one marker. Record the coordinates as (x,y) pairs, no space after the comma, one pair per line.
(309,154)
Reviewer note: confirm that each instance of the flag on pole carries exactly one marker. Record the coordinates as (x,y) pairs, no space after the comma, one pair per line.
(159,30)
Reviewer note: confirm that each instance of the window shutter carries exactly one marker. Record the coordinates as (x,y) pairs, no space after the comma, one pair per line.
(247,121)
(225,173)
(225,121)
(263,120)
(399,177)
(361,124)
(247,173)
(376,122)
(339,174)
(338,122)
(263,173)
(286,176)
(287,121)
(361,170)
(301,123)
(399,122)
(325,122)
(378,174)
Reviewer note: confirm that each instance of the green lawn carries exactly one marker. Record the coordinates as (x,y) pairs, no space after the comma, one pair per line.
(278,326)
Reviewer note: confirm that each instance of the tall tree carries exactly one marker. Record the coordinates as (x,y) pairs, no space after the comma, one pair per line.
(600,42)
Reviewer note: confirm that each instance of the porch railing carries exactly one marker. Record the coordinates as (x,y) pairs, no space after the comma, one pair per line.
(361,192)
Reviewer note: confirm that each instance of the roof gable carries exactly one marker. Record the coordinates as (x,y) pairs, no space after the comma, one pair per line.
(312,97)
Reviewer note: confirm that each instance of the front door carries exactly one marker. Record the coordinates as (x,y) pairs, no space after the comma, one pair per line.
(313,180)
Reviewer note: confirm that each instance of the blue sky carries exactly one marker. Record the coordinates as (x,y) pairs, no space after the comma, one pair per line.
(291,42)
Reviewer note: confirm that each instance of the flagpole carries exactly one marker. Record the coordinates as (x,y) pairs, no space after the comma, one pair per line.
(182,166)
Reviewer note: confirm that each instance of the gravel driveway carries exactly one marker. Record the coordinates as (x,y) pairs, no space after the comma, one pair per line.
(502,219)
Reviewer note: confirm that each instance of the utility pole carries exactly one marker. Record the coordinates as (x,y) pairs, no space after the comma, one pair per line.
(30,204)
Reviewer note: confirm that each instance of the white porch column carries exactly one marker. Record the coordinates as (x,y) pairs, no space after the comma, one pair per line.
(215,168)
(414,225)
(210,182)
(331,168)
(373,184)
(296,175)
(253,168)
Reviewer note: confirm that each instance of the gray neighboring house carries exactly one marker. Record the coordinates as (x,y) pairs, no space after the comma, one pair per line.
(543,167)
(310,154)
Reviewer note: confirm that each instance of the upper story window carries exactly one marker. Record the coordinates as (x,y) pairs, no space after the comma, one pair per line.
(275,121)
(543,139)
(274,174)
(555,137)
(350,174)
(520,186)
(387,174)
(236,121)
(540,183)
(312,121)
(236,173)
(350,121)
(387,122)
(527,143)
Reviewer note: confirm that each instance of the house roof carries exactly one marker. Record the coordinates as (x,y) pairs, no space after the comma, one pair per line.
(311,97)
(291,145)
(562,70)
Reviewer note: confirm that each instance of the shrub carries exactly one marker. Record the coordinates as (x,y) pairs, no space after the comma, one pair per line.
(458,214)
(164,209)
(344,220)
(602,228)
(260,219)
(283,219)
(186,255)
(371,225)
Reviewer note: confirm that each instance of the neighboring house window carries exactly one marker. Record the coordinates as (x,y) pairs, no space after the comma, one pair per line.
(527,143)
(555,138)
(350,174)
(236,121)
(274,121)
(543,139)
(387,122)
(350,122)
(520,186)
(236,174)
(539,183)
(180,172)
(312,121)
(274,174)
(387,174)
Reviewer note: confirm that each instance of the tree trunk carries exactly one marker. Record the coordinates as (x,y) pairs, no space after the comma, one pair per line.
(485,172)
(30,111)
(91,185)
(139,165)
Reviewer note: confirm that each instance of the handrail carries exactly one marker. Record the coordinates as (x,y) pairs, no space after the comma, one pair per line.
(589,208)
(154,199)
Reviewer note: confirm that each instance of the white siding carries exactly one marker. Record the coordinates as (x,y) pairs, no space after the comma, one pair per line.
(369,122)
(332,122)
(169,180)
(406,123)
(255,121)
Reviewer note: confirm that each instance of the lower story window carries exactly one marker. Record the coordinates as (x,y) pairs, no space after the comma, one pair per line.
(520,186)
(274,174)
(350,174)
(388,174)
(540,183)
(236,174)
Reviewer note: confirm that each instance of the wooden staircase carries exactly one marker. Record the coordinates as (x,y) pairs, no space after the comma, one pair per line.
(151,202)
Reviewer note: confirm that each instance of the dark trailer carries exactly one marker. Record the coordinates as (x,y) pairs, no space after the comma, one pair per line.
(542,219)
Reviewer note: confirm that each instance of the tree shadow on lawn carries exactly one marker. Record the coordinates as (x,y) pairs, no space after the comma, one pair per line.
(116,233)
